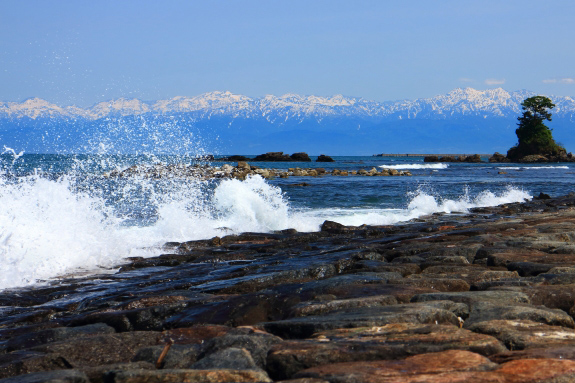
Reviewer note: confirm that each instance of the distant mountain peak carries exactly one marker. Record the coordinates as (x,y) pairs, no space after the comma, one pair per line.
(495,102)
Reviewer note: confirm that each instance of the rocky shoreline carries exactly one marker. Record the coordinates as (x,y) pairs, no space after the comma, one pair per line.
(241,171)
(487,296)
(500,158)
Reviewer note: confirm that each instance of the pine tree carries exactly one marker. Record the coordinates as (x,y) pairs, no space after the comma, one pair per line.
(534,137)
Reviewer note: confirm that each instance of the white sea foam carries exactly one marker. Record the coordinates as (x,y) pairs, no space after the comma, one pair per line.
(416,166)
(420,204)
(533,167)
(48,228)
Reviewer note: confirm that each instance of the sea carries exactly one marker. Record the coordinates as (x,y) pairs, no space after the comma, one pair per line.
(63,215)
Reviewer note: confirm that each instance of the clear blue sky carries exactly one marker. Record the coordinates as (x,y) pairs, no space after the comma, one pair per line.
(81,52)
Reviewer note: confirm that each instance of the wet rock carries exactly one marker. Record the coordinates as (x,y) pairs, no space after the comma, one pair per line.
(521,334)
(257,344)
(178,355)
(187,375)
(330,226)
(551,296)
(58,376)
(316,308)
(382,266)
(230,358)
(142,319)
(484,311)
(25,362)
(372,316)
(537,370)
(424,367)
(56,334)
(549,352)
(197,334)
(98,374)
(101,349)
(388,342)
(471,297)
(439,284)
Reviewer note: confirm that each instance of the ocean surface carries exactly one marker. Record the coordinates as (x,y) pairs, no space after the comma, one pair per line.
(60,215)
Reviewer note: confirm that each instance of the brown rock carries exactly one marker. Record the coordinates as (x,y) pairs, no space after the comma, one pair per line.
(187,376)
(552,352)
(522,334)
(470,297)
(483,311)
(25,362)
(303,327)
(317,308)
(421,366)
(194,335)
(538,370)
(439,284)
(387,342)
(551,296)
(102,349)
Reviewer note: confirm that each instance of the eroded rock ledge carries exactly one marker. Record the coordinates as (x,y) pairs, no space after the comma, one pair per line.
(483,297)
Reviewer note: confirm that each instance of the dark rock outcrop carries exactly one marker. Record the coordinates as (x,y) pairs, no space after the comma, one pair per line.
(324,158)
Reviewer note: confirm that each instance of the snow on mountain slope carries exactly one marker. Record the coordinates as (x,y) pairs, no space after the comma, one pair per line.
(457,103)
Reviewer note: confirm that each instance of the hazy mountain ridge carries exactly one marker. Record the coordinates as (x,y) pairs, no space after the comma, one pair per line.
(278,109)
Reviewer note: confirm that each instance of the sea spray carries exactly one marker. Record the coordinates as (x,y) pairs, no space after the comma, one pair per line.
(420,203)
(55,223)
(47,230)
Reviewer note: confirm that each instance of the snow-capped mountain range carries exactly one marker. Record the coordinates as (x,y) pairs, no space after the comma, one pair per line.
(461,121)
(457,103)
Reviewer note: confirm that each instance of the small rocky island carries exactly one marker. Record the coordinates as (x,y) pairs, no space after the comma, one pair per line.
(482,297)
(535,141)
(276,157)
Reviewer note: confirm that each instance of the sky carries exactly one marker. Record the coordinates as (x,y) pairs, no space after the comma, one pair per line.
(73,52)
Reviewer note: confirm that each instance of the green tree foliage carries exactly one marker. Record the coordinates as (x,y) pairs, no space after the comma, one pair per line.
(534,137)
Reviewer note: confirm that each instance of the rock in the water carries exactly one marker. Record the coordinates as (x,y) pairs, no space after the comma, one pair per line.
(300,157)
(324,158)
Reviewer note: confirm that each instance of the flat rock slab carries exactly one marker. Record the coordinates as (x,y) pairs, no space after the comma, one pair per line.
(446,367)
(102,349)
(393,341)
(425,365)
(188,376)
(551,296)
(470,297)
(522,334)
(318,308)
(482,312)
(194,335)
(552,352)
(58,376)
(26,362)
(304,327)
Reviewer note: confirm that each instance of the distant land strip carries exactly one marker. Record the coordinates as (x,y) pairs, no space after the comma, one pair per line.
(426,155)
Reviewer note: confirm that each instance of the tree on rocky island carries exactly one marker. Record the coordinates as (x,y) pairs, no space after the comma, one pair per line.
(534,137)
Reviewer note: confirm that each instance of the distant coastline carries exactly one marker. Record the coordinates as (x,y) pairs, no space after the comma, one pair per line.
(425,155)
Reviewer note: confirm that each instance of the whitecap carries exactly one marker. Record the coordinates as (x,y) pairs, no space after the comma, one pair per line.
(416,166)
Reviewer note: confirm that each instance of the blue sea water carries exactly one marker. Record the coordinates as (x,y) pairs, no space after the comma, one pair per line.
(61,214)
